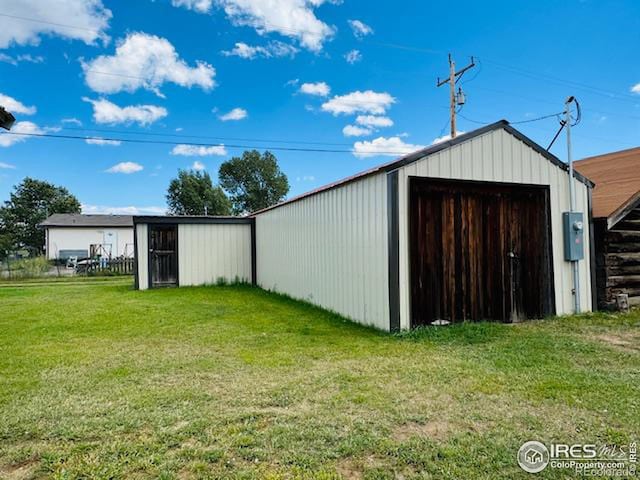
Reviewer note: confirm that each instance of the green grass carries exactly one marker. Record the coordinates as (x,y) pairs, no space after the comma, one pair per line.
(100,381)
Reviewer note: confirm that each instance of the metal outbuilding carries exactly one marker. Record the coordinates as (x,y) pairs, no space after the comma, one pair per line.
(467,229)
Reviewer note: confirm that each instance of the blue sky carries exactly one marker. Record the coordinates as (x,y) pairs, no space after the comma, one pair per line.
(353,75)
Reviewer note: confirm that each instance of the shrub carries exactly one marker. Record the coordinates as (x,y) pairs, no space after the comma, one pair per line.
(28,267)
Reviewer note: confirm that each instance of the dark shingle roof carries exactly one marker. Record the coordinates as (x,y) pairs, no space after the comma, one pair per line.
(80,220)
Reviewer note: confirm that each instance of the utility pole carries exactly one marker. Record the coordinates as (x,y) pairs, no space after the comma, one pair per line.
(455,99)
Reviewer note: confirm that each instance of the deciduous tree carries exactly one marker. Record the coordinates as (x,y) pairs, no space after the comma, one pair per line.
(253,181)
(193,193)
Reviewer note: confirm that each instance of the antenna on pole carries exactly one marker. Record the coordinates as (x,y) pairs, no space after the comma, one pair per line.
(455,99)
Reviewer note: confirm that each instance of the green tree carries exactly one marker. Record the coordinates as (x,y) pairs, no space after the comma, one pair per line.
(254,181)
(193,193)
(31,202)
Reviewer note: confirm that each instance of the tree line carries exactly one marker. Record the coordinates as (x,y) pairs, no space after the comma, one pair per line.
(246,184)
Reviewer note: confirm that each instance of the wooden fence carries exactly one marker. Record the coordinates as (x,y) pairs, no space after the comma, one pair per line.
(116,266)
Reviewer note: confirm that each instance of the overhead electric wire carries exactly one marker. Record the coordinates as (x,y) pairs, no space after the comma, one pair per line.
(537,119)
(209,137)
(167,142)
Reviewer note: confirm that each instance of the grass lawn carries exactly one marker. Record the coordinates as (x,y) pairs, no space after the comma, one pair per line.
(100,381)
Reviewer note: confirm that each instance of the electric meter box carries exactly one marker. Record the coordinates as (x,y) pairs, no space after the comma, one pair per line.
(573,226)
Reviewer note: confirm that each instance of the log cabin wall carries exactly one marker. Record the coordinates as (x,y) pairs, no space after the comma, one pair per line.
(618,260)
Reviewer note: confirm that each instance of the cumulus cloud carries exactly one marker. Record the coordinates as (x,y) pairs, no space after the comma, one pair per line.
(7,166)
(359,102)
(234,115)
(125,167)
(444,138)
(373,121)
(20,59)
(353,56)
(271,49)
(198,150)
(14,106)
(355,131)
(636,88)
(201,6)
(290,18)
(26,128)
(128,210)
(392,147)
(198,166)
(360,29)
(90,20)
(145,61)
(103,142)
(320,89)
(105,111)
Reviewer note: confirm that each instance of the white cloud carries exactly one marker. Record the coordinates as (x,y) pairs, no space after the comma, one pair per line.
(234,115)
(198,150)
(201,6)
(320,89)
(355,131)
(198,166)
(89,20)
(360,29)
(26,58)
(290,18)
(72,121)
(103,142)
(14,106)
(271,49)
(392,147)
(444,138)
(373,121)
(145,61)
(7,166)
(130,210)
(359,102)
(105,111)
(353,56)
(305,178)
(125,167)
(28,128)
(636,88)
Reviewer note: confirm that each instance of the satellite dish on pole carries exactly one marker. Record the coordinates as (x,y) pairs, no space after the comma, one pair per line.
(6,119)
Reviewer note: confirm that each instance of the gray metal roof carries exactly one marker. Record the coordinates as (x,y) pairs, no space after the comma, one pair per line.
(81,220)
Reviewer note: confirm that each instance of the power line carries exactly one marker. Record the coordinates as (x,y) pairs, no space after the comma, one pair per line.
(194,144)
(537,119)
(35,20)
(209,137)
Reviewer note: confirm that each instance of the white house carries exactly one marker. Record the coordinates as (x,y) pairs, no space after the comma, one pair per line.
(467,229)
(83,236)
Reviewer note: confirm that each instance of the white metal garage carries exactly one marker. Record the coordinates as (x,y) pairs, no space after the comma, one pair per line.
(467,229)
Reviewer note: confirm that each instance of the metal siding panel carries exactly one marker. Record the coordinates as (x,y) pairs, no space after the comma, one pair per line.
(143,255)
(498,156)
(320,249)
(207,252)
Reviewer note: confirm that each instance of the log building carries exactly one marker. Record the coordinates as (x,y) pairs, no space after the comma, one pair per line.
(616,216)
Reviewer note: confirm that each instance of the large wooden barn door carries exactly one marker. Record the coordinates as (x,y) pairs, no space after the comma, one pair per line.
(479,251)
(163,255)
